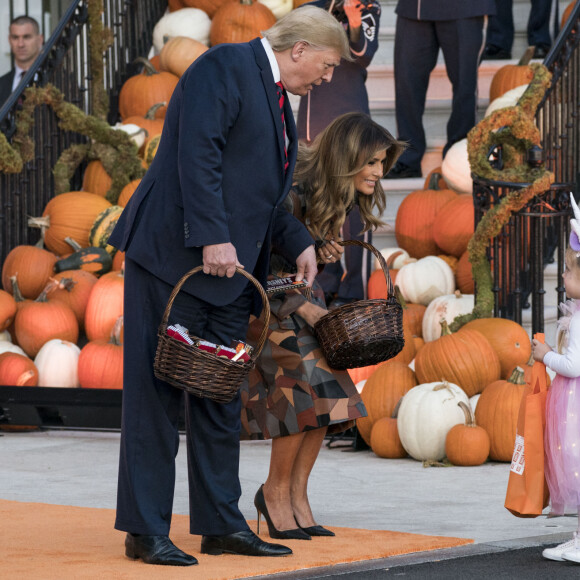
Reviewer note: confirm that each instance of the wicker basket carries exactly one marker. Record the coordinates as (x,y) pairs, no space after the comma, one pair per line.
(198,372)
(365,332)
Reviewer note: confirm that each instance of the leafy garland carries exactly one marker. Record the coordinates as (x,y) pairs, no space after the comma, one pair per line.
(517,135)
(113,148)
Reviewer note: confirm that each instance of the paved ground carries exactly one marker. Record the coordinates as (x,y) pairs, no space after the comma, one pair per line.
(348,488)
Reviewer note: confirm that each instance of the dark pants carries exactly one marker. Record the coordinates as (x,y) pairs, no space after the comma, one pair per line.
(500,31)
(150,438)
(351,283)
(417,44)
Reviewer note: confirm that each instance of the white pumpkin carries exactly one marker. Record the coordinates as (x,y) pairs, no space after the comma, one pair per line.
(400,258)
(446,307)
(508,99)
(455,168)
(426,279)
(426,415)
(191,22)
(5,336)
(57,364)
(279,7)
(473,402)
(7,346)
(138,134)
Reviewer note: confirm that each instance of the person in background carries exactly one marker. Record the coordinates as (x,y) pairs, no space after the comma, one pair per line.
(212,197)
(457,28)
(500,30)
(348,93)
(25,45)
(293,397)
(562,432)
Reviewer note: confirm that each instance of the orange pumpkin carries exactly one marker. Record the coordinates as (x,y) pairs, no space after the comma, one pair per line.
(511,76)
(7,309)
(415,218)
(240,21)
(69,215)
(364,426)
(567,12)
(33,267)
(385,440)
(74,288)
(17,370)
(455,225)
(179,52)
(149,121)
(497,412)
(41,320)
(509,340)
(101,361)
(408,352)
(140,92)
(435,180)
(527,368)
(96,180)
(119,261)
(208,6)
(412,314)
(127,192)
(464,275)
(362,373)
(467,444)
(105,305)
(464,358)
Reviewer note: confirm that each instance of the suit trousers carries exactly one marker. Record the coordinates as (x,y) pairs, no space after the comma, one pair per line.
(500,31)
(417,44)
(150,414)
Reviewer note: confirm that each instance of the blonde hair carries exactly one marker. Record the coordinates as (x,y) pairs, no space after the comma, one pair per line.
(326,170)
(311,25)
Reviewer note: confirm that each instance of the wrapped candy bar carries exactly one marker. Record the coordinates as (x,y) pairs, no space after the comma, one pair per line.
(180,333)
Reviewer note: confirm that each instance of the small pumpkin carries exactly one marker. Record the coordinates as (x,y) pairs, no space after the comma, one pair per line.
(17,370)
(567,12)
(191,22)
(137,134)
(456,169)
(208,6)
(150,149)
(96,179)
(467,444)
(178,53)
(105,305)
(464,275)
(57,363)
(32,265)
(435,180)
(385,440)
(240,21)
(127,192)
(150,123)
(510,76)
(455,225)
(427,413)
(74,288)
(7,309)
(425,280)
(103,227)
(412,313)
(95,260)
(447,308)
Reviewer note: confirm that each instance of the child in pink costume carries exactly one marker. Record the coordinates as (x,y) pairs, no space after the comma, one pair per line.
(562,435)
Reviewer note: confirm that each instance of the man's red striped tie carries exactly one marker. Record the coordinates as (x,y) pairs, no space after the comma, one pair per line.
(280,91)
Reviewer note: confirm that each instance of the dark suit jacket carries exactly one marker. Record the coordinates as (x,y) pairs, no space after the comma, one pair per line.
(218,176)
(444,9)
(6,86)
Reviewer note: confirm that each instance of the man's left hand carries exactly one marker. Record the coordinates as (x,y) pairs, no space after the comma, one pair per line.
(306,265)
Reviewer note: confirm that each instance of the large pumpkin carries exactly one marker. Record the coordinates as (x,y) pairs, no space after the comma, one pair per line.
(32,267)
(497,412)
(426,279)
(455,225)
(142,91)
(467,444)
(446,308)
(427,413)
(240,22)
(415,218)
(178,53)
(465,358)
(509,339)
(70,215)
(104,306)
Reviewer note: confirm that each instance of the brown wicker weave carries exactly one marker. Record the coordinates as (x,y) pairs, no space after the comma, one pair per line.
(365,332)
(198,372)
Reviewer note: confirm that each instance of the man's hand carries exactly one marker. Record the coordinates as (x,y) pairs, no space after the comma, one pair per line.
(220,260)
(306,265)
(353,10)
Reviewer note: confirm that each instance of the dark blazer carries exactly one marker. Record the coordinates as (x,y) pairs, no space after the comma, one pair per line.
(6,86)
(218,176)
(444,9)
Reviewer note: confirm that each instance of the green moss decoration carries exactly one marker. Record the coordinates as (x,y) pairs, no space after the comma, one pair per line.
(519,133)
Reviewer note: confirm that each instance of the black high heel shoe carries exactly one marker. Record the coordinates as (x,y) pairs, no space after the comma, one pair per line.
(295,534)
(317,531)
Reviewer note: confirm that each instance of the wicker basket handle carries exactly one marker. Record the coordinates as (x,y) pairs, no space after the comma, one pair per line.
(379,257)
(263,296)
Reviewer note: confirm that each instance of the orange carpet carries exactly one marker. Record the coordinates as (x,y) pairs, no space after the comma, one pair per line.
(53,541)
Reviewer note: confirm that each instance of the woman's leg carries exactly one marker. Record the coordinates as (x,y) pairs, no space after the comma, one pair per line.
(277,487)
(303,464)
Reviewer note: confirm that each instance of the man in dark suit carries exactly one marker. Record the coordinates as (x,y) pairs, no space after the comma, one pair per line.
(25,44)
(423,28)
(213,197)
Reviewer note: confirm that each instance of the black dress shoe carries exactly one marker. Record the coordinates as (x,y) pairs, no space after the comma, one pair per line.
(244,543)
(541,51)
(402,171)
(492,52)
(158,550)
(318,531)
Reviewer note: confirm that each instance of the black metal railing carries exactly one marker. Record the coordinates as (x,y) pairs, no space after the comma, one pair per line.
(538,234)
(64,63)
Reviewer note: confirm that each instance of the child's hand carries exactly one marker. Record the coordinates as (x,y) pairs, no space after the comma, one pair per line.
(539,350)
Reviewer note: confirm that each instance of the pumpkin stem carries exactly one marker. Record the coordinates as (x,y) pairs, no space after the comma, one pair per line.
(527,56)
(148,68)
(517,377)
(443,385)
(51,285)
(73,244)
(16,294)
(39,222)
(433,182)
(150,114)
(24,378)
(395,413)
(66,284)
(116,332)
(458,294)
(444,327)
(469,420)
